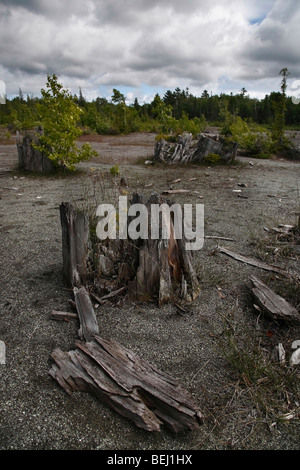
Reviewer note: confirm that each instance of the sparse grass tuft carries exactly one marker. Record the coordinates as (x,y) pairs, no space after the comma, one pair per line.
(273,389)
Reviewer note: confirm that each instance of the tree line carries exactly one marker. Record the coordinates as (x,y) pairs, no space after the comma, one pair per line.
(175,111)
(64,117)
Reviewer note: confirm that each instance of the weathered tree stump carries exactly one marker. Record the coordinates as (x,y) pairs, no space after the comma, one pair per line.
(30,158)
(159,268)
(164,268)
(187,150)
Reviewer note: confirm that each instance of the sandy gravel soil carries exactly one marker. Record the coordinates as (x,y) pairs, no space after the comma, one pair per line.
(35,413)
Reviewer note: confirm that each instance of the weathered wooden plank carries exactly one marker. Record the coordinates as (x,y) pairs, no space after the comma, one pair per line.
(272,304)
(88,321)
(75,243)
(251,261)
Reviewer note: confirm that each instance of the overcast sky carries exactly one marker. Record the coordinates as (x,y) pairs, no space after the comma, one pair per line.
(143,47)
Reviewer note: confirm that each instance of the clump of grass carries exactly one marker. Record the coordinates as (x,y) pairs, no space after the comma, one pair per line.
(273,389)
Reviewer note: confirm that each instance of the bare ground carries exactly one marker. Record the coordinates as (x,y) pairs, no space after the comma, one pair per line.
(35,413)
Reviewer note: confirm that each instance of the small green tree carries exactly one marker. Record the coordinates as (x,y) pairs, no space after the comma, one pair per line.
(60,116)
(279,108)
(256,142)
(119,99)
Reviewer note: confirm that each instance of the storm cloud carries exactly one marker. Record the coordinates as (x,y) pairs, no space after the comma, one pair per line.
(143,47)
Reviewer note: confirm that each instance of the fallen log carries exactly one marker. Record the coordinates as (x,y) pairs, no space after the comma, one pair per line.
(127,383)
(272,304)
(121,379)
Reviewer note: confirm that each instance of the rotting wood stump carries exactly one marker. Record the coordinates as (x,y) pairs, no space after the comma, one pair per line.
(159,269)
(30,158)
(164,267)
(188,150)
(121,379)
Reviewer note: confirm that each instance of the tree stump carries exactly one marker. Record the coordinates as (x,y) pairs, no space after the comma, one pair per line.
(186,150)
(164,266)
(30,158)
(159,268)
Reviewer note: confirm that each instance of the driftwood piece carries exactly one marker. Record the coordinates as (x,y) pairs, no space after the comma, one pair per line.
(121,379)
(252,261)
(127,383)
(63,316)
(88,321)
(176,191)
(75,245)
(272,304)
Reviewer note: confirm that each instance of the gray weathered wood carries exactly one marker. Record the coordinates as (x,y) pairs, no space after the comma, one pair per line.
(126,383)
(63,316)
(272,304)
(88,321)
(165,268)
(75,245)
(187,150)
(30,158)
(121,379)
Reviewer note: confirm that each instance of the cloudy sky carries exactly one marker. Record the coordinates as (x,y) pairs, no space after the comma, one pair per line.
(143,47)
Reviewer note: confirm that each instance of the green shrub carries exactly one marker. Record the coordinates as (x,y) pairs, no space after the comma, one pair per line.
(60,117)
(114,170)
(212,158)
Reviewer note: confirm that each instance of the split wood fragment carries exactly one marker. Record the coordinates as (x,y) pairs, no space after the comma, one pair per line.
(121,379)
(176,191)
(63,316)
(88,321)
(272,304)
(252,261)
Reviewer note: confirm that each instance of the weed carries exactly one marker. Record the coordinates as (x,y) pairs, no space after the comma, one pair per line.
(273,389)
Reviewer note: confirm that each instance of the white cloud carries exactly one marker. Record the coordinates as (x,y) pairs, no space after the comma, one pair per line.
(220,46)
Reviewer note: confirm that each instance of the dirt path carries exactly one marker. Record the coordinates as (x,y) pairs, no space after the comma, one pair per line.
(34,412)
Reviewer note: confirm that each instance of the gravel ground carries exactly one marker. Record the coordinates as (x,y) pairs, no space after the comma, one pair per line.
(35,413)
